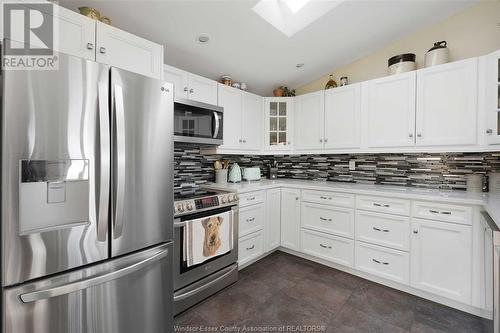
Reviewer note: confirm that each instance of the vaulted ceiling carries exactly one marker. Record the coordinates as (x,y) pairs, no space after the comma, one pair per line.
(245,46)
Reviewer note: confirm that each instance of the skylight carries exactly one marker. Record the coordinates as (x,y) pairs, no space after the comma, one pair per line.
(291,16)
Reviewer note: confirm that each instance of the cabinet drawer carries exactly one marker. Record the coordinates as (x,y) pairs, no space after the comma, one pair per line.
(442,212)
(387,263)
(251,219)
(250,247)
(383,229)
(333,220)
(251,198)
(332,248)
(328,198)
(383,204)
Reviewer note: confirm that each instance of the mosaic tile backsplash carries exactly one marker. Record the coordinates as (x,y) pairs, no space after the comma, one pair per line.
(442,171)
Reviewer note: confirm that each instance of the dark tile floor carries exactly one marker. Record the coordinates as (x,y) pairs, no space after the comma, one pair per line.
(282,289)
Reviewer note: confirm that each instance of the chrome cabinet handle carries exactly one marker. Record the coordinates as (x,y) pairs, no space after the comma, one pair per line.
(296,198)
(217,125)
(191,90)
(326,140)
(240,141)
(102,50)
(489,131)
(381,230)
(251,247)
(325,219)
(90,46)
(433,211)
(320,140)
(104,162)
(381,205)
(380,262)
(410,135)
(120,160)
(244,141)
(325,246)
(415,231)
(94,281)
(250,199)
(325,198)
(419,135)
(446,213)
(185,88)
(251,219)
(289,142)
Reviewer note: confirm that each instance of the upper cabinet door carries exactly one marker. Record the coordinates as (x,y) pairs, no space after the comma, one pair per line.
(389,105)
(230,100)
(202,89)
(447,104)
(76,32)
(309,117)
(121,49)
(493,98)
(178,78)
(278,123)
(343,117)
(251,121)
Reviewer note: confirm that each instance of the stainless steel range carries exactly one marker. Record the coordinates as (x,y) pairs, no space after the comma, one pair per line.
(193,283)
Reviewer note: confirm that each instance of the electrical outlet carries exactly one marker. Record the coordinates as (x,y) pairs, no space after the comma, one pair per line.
(352,165)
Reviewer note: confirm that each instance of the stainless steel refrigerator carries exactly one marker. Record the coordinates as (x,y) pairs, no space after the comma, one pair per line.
(87,200)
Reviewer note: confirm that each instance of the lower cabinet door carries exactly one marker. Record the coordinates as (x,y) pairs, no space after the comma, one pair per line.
(442,259)
(251,219)
(290,218)
(339,250)
(273,215)
(384,262)
(250,247)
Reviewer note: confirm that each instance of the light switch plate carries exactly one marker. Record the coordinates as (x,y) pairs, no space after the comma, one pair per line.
(352,165)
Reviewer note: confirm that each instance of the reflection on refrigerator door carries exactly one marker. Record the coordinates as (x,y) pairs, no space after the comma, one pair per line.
(129,294)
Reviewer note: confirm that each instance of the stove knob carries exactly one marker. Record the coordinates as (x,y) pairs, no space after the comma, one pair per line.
(230,198)
(223,199)
(189,206)
(236,198)
(179,207)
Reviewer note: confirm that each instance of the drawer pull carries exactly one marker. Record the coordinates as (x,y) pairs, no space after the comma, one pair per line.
(250,199)
(325,246)
(251,247)
(381,205)
(325,219)
(251,219)
(446,213)
(325,198)
(380,262)
(433,211)
(381,230)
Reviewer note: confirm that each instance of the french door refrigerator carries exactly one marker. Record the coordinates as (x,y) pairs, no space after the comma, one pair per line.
(87,200)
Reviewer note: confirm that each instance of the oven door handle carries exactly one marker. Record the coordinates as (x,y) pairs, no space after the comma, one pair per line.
(179,224)
(216,131)
(189,293)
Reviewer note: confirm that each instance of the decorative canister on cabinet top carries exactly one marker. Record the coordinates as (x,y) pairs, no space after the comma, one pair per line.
(401,63)
(437,55)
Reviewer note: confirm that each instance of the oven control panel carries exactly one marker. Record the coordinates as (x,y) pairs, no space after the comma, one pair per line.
(190,206)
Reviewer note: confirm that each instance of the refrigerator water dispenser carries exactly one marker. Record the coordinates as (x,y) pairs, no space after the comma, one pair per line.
(53,194)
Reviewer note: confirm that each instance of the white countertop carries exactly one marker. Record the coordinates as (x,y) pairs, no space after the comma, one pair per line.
(490,202)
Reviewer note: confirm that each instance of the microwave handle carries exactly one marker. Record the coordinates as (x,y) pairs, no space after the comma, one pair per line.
(216,130)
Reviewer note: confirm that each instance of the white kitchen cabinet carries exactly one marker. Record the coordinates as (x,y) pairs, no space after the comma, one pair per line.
(278,123)
(202,89)
(242,119)
(447,104)
(178,78)
(251,121)
(309,120)
(441,259)
(119,48)
(389,107)
(493,98)
(250,247)
(290,218)
(343,117)
(273,219)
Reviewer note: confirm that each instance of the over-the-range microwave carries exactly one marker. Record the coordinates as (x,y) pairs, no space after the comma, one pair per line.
(196,122)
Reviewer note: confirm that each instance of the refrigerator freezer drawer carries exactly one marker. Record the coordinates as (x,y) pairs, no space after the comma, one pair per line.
(128,294)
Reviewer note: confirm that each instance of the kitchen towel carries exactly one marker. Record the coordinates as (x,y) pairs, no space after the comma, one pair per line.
(207,237)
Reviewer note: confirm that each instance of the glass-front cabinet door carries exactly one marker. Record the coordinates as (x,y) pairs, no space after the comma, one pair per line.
(493,98)
(278,123)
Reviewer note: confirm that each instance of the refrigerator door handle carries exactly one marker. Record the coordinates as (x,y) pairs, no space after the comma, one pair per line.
(120,161)
(94,281)
(104,161)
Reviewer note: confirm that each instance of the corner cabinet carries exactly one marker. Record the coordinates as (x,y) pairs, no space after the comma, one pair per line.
(493,98)
(389,107)
(278,117)
(447,104)
(242,119)
(290,218)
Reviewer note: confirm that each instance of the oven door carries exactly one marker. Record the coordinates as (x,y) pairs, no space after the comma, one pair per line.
(196,122)
(184,275)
